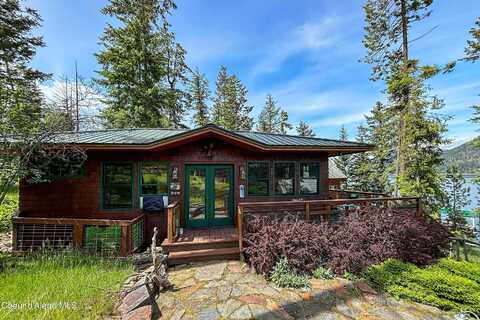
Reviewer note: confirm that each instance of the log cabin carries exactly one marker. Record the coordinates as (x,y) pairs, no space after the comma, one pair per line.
(191,184)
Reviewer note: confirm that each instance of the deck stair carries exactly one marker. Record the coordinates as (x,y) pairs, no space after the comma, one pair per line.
(203,244)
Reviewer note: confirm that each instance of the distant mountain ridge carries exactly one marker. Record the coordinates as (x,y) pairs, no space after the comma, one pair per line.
(465,156)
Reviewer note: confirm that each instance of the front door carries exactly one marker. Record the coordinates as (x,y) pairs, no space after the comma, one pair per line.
(208,195)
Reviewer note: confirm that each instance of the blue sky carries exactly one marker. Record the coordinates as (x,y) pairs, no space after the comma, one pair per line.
(305,53)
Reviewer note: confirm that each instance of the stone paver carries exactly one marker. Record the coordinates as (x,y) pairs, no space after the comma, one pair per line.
(6,242)
(229,290)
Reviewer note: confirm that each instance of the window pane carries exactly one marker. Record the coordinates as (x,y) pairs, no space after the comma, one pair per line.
(117,173)
(258,178)
(154,178)
(197,180)
(284,178)
(117,185)
(309,176)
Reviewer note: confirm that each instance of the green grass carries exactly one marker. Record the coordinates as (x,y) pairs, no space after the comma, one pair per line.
(448,284)
(86,285)
(9,205)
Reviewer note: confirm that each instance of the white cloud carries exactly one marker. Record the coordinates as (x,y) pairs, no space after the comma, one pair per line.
(341,120)
(308,36)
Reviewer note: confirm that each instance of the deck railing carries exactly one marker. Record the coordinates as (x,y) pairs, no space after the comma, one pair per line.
(320,210)
(173,221)
(110,236)
(353,194)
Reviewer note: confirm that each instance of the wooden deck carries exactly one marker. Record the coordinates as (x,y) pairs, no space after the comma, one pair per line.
(203,244)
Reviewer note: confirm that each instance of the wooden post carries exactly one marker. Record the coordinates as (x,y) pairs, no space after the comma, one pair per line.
(170,222)
(124,241)
(78,236)
(307,211)
(457,251)
(240,228)
(465,253)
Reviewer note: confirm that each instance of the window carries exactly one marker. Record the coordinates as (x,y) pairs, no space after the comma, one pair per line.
(258,180)
(284,178)
(117,185)
(309,177)
(154,178)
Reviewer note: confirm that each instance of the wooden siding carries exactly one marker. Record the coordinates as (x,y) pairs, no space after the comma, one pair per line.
(81,197)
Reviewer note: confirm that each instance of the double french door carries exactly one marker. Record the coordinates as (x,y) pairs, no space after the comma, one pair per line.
(209,195)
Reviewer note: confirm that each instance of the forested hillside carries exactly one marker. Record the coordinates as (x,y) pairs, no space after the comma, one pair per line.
(466,156)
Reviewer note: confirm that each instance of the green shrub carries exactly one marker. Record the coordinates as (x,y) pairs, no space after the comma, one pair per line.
(448,285)
(7,208)
(283,276)
(323,273)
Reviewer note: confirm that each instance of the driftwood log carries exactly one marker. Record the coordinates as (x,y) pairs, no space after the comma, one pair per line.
(158,277)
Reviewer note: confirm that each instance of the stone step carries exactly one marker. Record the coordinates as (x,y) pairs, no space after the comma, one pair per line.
(181,257)
(190,246)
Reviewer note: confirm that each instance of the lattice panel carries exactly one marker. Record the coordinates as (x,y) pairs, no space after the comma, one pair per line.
(102,238)
(138,235)
(37,236)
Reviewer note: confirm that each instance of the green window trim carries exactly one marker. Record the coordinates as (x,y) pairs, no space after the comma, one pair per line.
(105,186)
(292,176)
(317,177)
(141,184)
(268,180)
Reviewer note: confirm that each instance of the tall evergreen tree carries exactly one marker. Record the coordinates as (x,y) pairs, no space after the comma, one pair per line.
(140,65)
(456,196)
(380,132)
(472,51)
(199,94)
(343,161)
(230,109)
(25,122)
(387,42)
(304,130)
(272,119)
(284,124)
(176,101)
(359,169)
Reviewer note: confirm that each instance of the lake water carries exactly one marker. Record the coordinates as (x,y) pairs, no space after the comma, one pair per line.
(474,193)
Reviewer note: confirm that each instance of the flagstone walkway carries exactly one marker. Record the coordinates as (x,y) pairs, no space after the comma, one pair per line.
(228,290)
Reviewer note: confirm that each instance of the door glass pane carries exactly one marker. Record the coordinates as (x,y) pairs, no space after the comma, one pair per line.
(197,197)
(222,192)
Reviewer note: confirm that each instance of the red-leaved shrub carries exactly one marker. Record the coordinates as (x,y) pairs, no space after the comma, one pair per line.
(304,244)
(364,237)
(371,235)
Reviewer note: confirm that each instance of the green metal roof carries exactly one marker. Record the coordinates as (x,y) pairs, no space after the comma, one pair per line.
(157,135)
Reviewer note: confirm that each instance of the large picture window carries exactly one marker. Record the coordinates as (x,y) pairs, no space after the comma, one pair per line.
(117,185)
(154,178)
(309,178)
(284,178)
(258,178)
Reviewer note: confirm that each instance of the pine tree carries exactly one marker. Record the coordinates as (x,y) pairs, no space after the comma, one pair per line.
(284,124)
(20,97)
(387,42)
(230,109)
(456,196)
(140,65)
(381,132)
(199,94)
(25,122)
(343,161)
(359,169)
(472,51)
(272,119)
(268,119)
(304,130)
(176,101)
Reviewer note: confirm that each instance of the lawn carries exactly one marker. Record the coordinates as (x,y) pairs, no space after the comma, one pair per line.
(60,286)
(447,284)
(8,206)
